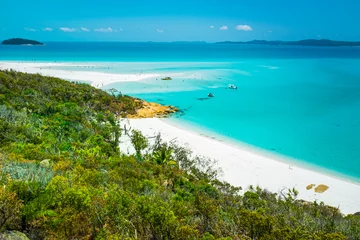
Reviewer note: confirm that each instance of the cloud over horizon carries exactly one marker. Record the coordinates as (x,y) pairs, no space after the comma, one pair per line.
(245,28)
(224,28)
(104,30)
(212,26)
(65,29)
(160,30)
(85,29)
(48,29)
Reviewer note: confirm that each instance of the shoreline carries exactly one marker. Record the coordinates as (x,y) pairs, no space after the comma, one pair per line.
(263,152)
(97,79)
(244,167)
(241,166)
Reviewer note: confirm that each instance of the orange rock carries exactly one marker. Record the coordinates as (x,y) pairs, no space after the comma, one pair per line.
(150,110)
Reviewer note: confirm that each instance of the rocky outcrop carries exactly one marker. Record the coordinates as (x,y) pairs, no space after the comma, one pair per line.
(13,235)
(152,110)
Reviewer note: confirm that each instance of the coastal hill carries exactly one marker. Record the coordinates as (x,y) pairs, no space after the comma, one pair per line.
(306,42)
(64,175)
(20,41)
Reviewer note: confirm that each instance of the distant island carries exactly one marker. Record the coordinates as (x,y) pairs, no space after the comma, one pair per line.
(20,41)
(192,42)
(306,42)
(180,42)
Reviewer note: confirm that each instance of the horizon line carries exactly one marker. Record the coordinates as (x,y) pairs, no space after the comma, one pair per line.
(196,41)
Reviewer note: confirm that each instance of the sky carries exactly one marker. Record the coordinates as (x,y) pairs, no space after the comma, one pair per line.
(181,20)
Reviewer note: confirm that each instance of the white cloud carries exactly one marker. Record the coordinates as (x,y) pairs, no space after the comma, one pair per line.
(159,30)
(105,30)
(212,26)
(30,29)
(65,29)
(243,28)
(121,30)
(115,30)
(224,28)
(48,29)
(85,29)
(269,31)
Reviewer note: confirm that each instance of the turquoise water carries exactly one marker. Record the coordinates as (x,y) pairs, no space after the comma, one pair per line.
(299,102)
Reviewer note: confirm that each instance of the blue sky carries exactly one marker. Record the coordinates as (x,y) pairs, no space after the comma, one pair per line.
(181,20)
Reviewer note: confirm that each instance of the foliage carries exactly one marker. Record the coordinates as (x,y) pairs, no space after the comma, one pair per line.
(28,172)
(88,189)
(10,208)
(139,142)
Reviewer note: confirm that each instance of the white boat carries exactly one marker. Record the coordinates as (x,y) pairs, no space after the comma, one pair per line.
(232,86)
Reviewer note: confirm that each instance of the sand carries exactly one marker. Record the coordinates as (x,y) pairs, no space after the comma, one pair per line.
(96,79)
(241,165)
(244,166)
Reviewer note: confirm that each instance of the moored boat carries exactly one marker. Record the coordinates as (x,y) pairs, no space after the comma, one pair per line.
(232,86)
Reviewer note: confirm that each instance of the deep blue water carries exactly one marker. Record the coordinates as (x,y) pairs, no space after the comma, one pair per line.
(301,102)
(174,52)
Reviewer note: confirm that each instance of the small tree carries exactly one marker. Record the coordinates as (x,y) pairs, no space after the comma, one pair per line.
(163,156)
(139,142)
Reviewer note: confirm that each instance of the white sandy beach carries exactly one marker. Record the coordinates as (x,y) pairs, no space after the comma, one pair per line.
(241,166)
(244,167)
(97,79)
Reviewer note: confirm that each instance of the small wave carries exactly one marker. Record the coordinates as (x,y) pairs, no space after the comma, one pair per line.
(214,86)
(243,73)
(269,67)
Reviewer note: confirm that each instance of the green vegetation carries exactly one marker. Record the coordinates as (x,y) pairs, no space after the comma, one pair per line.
(63,176)
(166,78)
(21,41)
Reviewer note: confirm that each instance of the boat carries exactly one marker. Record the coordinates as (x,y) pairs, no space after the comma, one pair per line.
(232,86)
(210,95)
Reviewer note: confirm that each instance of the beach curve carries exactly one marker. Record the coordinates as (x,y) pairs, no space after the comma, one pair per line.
(245,167)
(96,79)
(241,167)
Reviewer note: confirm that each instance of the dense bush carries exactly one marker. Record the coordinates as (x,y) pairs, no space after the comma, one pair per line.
(63,176)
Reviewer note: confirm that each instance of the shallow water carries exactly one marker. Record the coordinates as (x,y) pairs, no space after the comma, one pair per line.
(300,102)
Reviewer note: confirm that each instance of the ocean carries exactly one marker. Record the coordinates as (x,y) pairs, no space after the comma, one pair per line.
(298,102)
